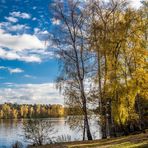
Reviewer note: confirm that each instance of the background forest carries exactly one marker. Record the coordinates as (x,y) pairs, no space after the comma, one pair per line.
(14,111)
(102,46)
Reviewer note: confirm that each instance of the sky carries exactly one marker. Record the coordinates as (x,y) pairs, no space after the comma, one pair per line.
(28,67)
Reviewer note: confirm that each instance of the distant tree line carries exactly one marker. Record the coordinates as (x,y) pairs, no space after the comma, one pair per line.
(11,111)
(14,111)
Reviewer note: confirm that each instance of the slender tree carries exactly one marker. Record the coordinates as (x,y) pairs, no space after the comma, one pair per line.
(71,42)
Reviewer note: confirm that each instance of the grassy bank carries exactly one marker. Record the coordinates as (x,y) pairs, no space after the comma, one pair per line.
(132,141)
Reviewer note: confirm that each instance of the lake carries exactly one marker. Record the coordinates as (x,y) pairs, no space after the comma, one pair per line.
(12,131)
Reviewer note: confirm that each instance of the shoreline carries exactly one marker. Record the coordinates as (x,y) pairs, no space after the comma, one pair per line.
(132,141)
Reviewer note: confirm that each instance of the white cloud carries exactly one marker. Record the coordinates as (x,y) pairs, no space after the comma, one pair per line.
(34,7)
(31,58)
(2,67)
(21,56)
(8,83)
(45,93)
(29,76)
(38,31)
(34,19)
(13,27)
(12,70)
(55,21)
(135,3)
(15,70)
(20,15)
(24,47)
(19,42)
(18,27)
(11,19)
(43,35)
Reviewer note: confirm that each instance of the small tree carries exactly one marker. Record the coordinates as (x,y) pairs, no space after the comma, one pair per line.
(17,144)
(38,132)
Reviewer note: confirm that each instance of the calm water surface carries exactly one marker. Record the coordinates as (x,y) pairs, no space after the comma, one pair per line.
(12,131)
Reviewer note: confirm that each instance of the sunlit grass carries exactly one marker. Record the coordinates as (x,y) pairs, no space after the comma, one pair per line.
(122,145)
(131,145)
(132,141)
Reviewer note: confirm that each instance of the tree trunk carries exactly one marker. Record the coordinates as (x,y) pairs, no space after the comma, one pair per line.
(141,124)
(84,130)
(89,136)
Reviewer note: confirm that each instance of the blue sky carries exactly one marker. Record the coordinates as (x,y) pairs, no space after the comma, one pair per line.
(28,67)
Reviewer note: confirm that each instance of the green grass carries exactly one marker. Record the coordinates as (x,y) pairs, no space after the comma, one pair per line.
(132,141)
(130,145)
(122,145)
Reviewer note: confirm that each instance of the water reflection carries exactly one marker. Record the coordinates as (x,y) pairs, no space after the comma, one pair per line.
(12,131)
